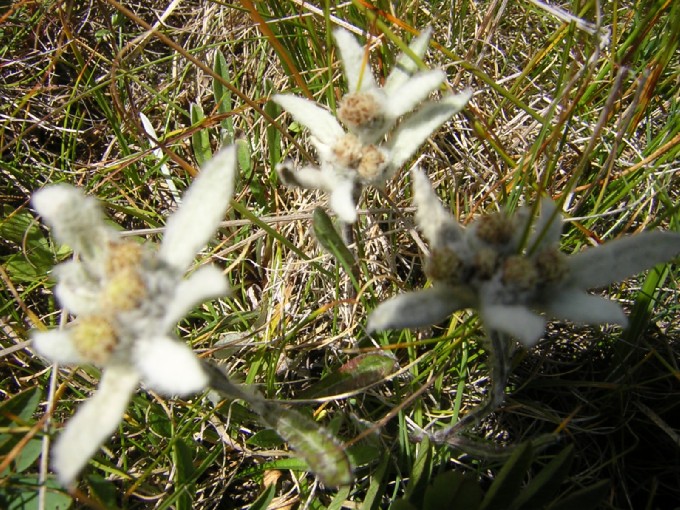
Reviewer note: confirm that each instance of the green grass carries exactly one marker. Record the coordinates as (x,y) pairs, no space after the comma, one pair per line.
(596,129)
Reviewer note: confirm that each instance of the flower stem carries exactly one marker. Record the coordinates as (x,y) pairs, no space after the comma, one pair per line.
(500,349)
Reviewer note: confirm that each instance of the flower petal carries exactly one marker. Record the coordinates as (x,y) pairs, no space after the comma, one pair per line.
(616,260)
(75,289)
(308,177)
(94,422)
(416,309)
(405,98)
(203,207)
(320,122)
(77,219)
(410,135)
(436,223)
(548,227)
(205,283)
(169,366)
(515,320)
(357,70)
(577,306)
(405,66)
(342,200)
(56,345)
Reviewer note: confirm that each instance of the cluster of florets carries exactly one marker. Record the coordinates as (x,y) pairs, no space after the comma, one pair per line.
(121,291)
(127,299)
(509,268)
(376,129)
(487,258)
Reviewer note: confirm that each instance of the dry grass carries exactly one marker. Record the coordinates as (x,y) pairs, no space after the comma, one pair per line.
(594,128)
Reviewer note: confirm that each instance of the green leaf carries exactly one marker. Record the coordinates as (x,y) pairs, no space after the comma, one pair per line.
(272,133)
(159,423)
(402,504)
(27,456)
(588,498)
(200,141)
(468,495)
(245,162)
(357,373)
(545,484)
(329,238)
(645,300)
(263,500)
(223,97)
(442,493)
(183,457)
(20,227)
(36,256)
(364,454)
(377,484)
(340,499)
(19,409)
(22,493)
(103,490)
(266,438)
(247,172)
(325,457)
(420,474)
(508,482)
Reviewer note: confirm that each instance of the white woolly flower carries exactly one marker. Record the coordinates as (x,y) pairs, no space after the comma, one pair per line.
(359,155)
(482,267)
(127,299)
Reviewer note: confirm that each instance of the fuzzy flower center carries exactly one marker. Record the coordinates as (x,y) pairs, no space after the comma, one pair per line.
(372,164)
(366,160)
(496,229)
(123,291)
(520,273)
(552,266)
(123,255)
(348,151)
(361,110)
(124,288)
(493,267)
(94,338)
(445,266)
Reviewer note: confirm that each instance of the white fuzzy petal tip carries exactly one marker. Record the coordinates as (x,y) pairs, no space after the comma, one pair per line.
(405,65)
(411,134)
(516,320)
(357,71)
(190,228)
(320,122)
(94,422)
(342,201)
(434,220)
(619,259)
(206,283)
(415,309)
(169,366)
(308,177)
(76,219)
(412,92)
(56,345)
(581,308)
(77,290)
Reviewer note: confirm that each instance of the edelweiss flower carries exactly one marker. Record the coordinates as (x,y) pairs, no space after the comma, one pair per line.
(358,156)
(485,268)
(127,299)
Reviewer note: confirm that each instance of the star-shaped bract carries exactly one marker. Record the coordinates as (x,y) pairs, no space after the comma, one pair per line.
(374,144)
(127,299)
(484,267)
